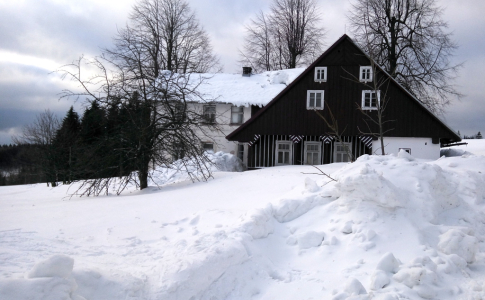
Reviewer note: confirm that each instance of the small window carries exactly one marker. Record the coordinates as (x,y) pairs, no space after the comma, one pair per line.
(208,147)
(210,114)
(240,151)
(365,74)
(283,153)
(314,100)
(341,152)
(408,150)
(320,74)
(237,115)
(312,153)
(179,111)
(178,151)
(371,100)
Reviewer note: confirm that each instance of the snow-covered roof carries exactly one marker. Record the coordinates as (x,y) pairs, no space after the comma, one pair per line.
(258,89)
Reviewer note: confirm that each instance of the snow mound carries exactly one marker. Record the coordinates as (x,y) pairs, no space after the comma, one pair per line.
(360,182)
(55,266)
(391,227)
(187,168)
(455,241)
(48,279)
(227,162)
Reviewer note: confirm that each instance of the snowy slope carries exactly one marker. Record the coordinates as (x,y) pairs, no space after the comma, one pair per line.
(388,228)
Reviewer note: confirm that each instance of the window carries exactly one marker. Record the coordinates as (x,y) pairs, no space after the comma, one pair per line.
(370,99)
(210,114)
(313,153)
(208,147)
(408,150)
(240,151)
(314,100)
(237,115)
(340,152)
(178,151)
(320,74)
(365,74)
(179,111)
(283,153)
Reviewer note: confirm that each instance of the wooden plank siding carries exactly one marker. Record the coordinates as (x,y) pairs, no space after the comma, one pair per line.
(287,114)
(262,153)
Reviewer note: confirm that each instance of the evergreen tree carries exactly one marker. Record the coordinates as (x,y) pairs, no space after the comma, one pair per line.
(91,143)
(478,136)
(65,151)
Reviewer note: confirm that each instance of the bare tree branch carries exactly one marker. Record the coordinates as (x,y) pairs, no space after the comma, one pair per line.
(409,39)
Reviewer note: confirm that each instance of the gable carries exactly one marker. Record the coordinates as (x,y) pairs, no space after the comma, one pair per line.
(287,113)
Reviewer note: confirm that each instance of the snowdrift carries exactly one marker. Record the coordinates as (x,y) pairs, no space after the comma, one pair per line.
(389,227)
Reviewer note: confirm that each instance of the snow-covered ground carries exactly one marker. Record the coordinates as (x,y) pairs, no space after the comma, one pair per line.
(388,228)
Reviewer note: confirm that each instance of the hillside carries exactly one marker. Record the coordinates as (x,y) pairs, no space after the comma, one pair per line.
(388,228)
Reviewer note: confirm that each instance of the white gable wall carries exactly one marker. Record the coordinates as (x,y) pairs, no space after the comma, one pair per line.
(223,120)
(420,147)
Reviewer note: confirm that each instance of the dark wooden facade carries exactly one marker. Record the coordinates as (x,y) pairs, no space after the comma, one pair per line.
(287,113)
(262,152)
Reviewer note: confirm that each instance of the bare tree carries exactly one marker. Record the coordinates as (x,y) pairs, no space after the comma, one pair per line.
(409,40)
(258,45)
(285,38)
(374,107)
(166,33)
(40,134)
(157,117)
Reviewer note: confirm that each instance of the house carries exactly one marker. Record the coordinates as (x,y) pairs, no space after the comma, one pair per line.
(289,131)
(231,99)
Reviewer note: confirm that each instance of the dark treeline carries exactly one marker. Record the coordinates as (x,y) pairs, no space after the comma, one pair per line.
(96,145)
(18,165)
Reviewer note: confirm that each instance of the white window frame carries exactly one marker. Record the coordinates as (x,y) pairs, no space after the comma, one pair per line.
(336,153)
(319,144)
(277,150)
(316,74)
(322,94)
(239,113)
(371,92)
(363,71)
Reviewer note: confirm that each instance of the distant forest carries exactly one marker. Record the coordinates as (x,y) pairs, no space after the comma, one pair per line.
(19,165)
(97,145)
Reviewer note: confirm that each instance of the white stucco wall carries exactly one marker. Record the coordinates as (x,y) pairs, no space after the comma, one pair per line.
(420,147)
(223,119)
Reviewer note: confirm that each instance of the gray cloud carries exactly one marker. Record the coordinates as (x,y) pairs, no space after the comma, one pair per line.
(62,30)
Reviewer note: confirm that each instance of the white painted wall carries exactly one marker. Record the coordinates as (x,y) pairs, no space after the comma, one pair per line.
(223,119)
(420,147)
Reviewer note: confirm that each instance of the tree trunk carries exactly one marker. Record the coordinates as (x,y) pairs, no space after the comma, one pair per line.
(143,177)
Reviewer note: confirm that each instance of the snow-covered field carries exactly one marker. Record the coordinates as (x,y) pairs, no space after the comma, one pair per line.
(389,228)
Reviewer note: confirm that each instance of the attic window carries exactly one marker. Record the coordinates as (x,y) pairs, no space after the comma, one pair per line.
(320,74)
(365,74)
(370,100)
(314,100)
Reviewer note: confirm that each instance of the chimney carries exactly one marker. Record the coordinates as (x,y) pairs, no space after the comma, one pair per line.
(247,71)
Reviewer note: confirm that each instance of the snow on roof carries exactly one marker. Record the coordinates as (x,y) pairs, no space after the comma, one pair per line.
(258,89)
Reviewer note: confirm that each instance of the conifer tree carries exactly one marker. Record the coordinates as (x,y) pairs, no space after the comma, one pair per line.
(65,151)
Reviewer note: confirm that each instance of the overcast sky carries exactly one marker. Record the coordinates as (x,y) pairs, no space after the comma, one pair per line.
(39,36)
